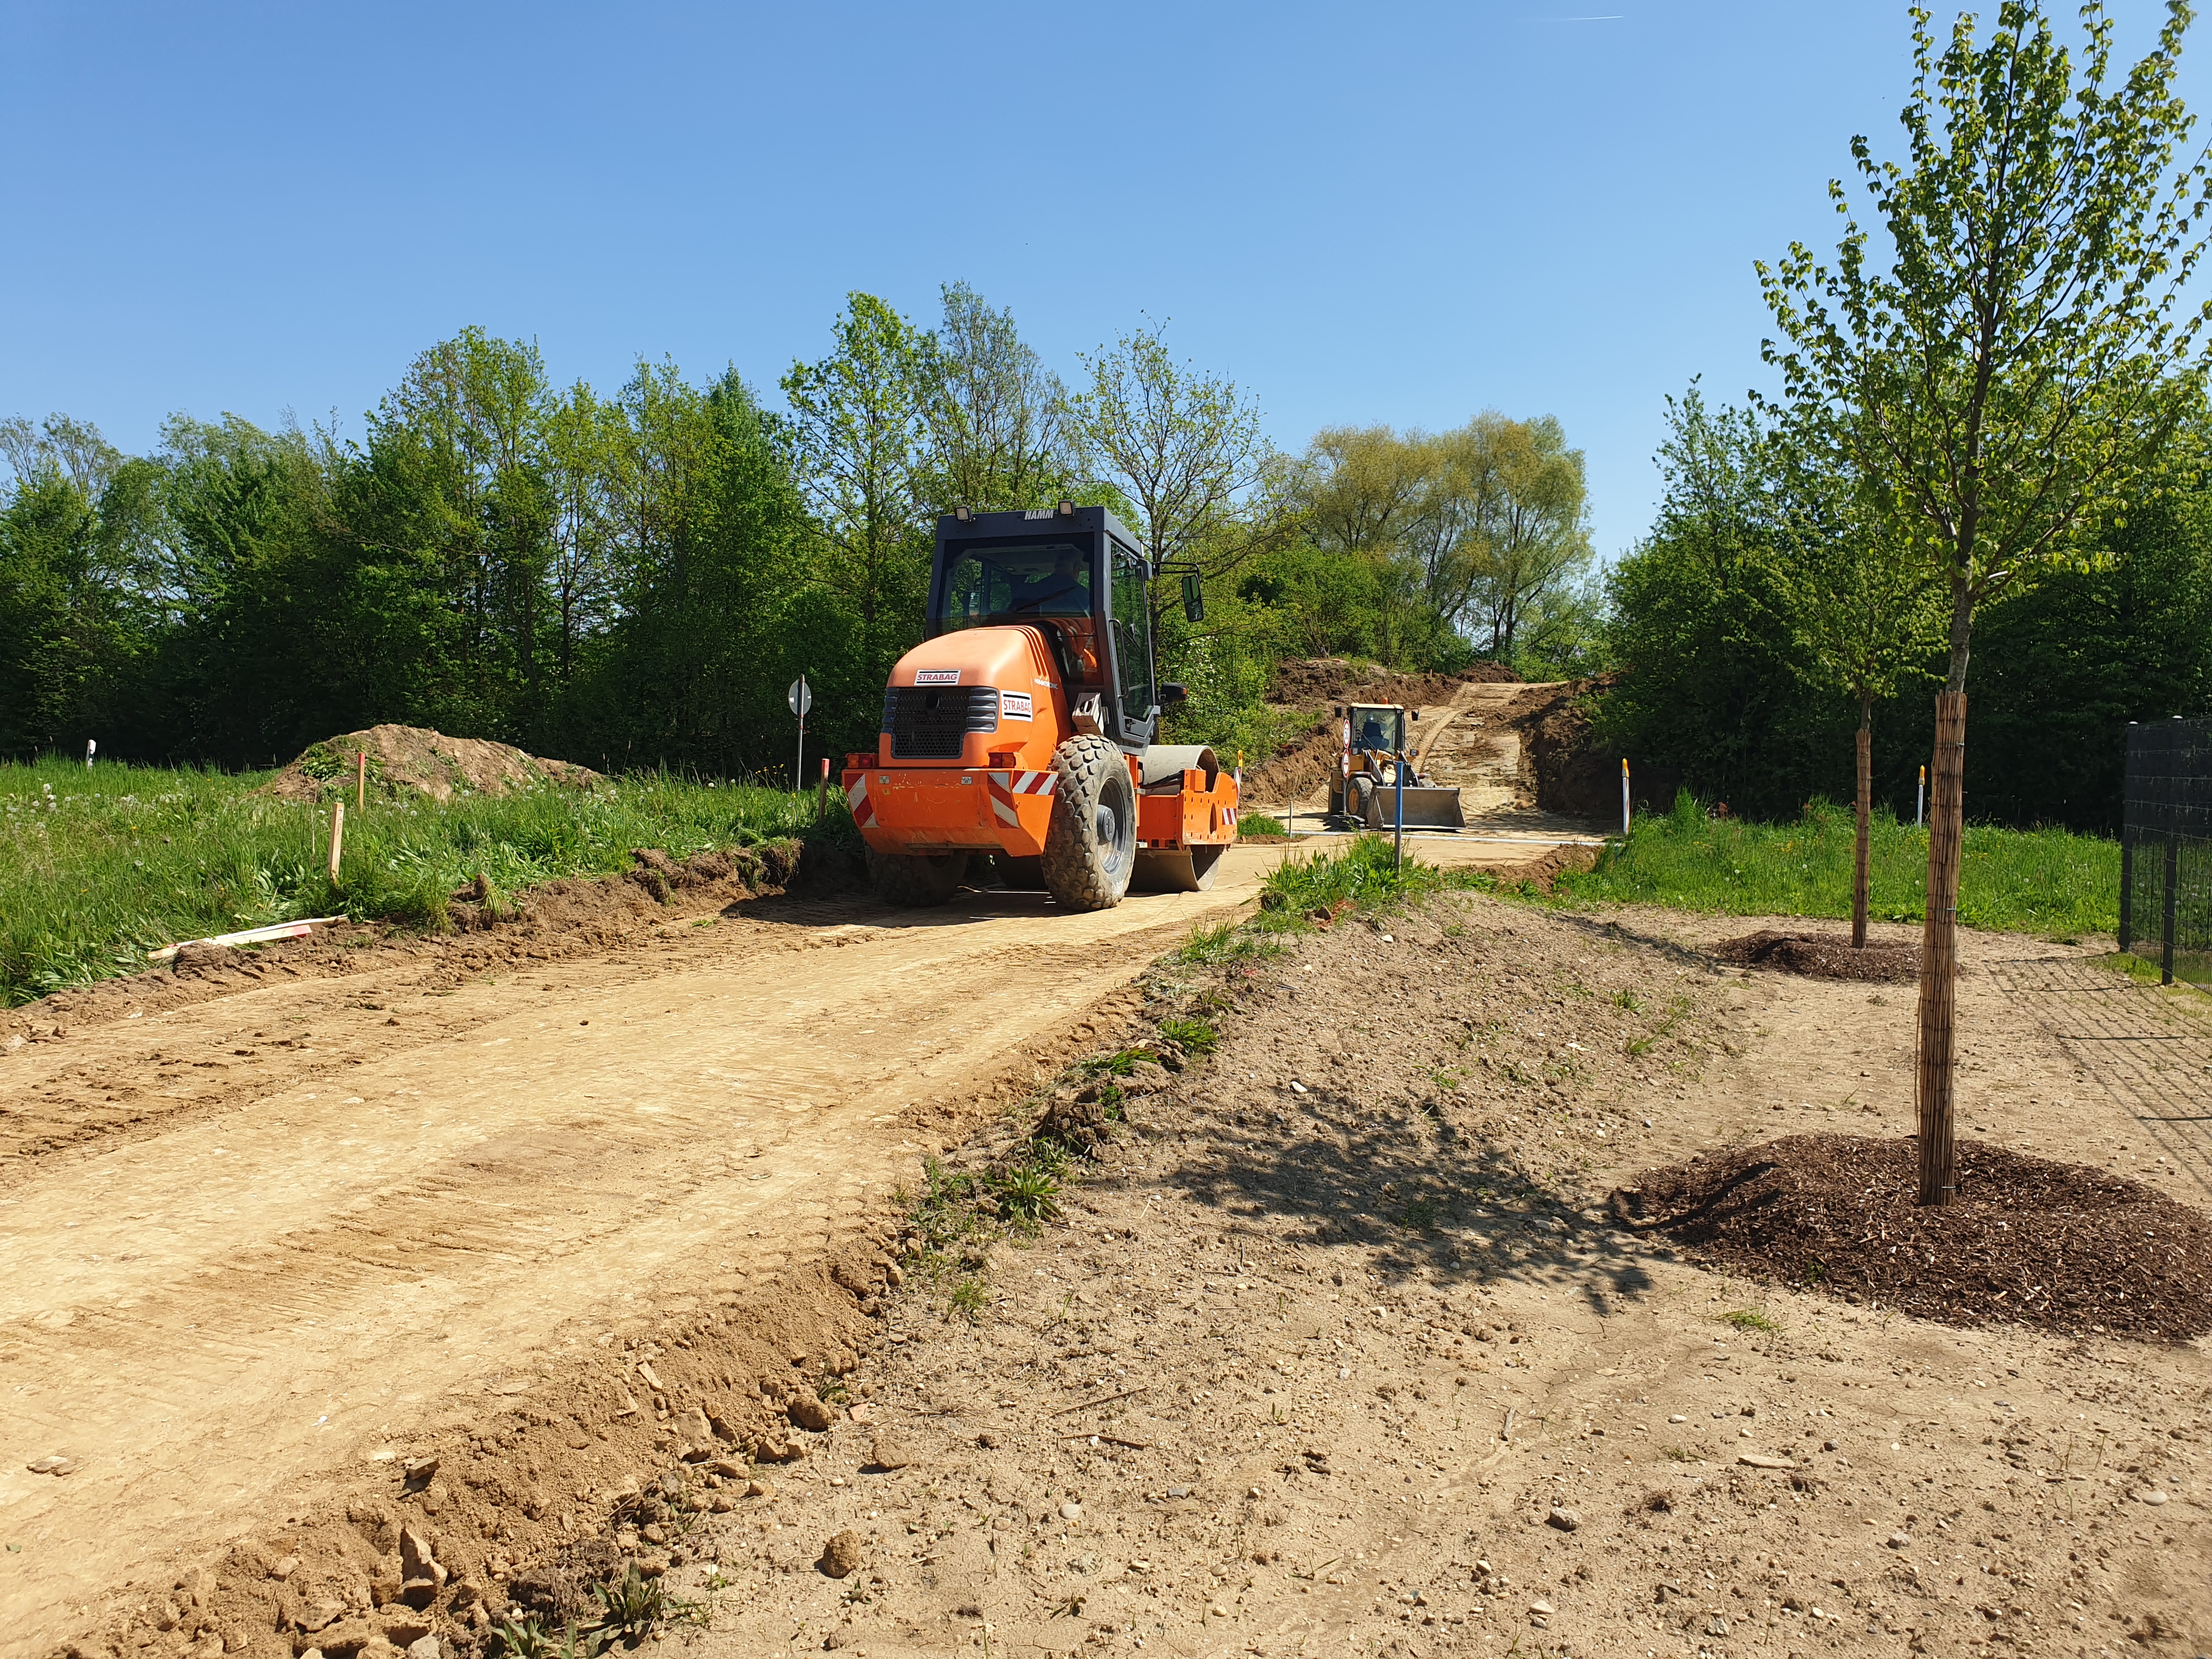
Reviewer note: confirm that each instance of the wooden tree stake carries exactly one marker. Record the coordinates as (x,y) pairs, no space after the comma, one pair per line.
(1939,955)
(1865,832)
(338,835)
(360,779)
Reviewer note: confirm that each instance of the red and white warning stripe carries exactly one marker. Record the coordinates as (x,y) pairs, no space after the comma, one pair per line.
(864,813)
(1005,786)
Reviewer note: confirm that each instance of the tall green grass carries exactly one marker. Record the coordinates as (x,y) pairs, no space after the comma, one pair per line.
(97,867)
(1366,875)
(2048,881)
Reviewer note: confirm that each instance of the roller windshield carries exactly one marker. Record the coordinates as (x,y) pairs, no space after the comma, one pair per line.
(1013,581)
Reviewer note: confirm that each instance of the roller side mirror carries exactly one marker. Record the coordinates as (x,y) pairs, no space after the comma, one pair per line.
(1193,599)
(1171,693)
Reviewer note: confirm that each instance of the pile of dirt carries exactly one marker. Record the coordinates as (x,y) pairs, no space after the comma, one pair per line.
(1823,956)
(2029,1241)
(1305,765)
(1315,682)
(1575,772)
(1296,771)
(411,759)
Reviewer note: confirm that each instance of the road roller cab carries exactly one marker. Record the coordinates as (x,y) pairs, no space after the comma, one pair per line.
(1020,732)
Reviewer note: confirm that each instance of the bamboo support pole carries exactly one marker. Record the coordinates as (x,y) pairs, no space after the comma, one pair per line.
(1939,956)
(360,779)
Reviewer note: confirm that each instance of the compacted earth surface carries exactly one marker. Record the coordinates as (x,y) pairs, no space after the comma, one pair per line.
(1336,1335)
(1337,1352)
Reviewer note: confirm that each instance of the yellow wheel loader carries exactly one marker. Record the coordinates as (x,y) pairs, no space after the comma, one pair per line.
(1377,767)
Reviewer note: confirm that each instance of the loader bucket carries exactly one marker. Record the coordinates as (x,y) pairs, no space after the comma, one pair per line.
(1426,808)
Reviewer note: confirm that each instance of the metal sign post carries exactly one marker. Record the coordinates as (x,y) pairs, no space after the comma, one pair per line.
(801,698)
(1398,771)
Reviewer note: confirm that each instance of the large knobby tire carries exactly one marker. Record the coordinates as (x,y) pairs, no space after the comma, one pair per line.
(917,878)
(1364,791)
(1091,847)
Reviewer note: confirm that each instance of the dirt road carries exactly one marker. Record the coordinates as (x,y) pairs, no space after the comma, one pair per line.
(1471,741)
(249,1243)
(1338,1353)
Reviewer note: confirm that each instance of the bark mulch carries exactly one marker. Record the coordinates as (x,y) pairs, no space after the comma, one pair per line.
(1822,956)
(2029,1241)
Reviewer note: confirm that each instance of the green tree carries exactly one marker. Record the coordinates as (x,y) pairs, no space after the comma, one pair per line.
(1183,450)
(81,593)
(583,435)
(461,443)
(2012,368)
(1865,606)
(995,414)
(861,432)
(1371,499)
(1710,693)
(282,630)
(1527,497)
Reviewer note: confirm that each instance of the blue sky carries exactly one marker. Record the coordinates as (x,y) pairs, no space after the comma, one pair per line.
(1382,213)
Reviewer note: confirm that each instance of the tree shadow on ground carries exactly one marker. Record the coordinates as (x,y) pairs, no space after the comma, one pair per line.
(1422,1196)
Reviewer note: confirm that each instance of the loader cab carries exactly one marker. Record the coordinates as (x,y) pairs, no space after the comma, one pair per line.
(1376,728)
(1072,573)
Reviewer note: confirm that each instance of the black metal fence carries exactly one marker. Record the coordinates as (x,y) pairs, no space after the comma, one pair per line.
(2165,849)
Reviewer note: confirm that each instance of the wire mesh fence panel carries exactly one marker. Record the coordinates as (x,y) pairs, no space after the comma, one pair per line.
(2165,849)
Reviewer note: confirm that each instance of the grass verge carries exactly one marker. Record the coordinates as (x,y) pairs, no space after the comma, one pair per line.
(2048,881)
(98,867)
(1310,890)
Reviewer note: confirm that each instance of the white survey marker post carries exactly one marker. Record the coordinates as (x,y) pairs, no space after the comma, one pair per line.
(801,698)
(91,744)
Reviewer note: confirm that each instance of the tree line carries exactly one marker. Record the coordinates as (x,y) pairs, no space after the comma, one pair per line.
(1735,645)
(633,579)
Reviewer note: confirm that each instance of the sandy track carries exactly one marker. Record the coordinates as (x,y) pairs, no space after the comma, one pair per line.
(1324,1427)
(328,1215)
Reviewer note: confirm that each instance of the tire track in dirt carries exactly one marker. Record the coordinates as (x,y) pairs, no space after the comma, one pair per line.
(210,1316)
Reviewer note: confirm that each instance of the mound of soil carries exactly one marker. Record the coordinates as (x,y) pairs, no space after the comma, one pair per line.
(1298,770)
(409,758)
(1574,772)
(1318,681)
(1820,956)
(2029,1241)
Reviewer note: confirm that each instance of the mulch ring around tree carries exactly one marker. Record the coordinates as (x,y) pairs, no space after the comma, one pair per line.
(1822,956)
(2028,1241)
